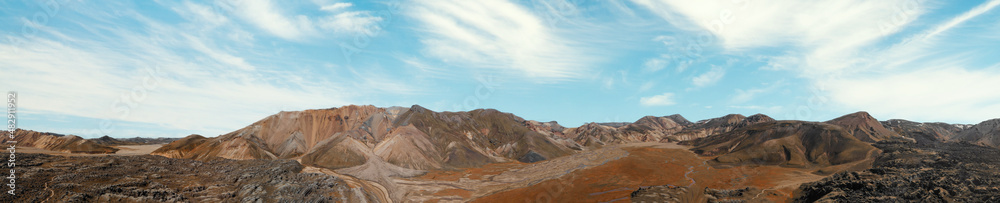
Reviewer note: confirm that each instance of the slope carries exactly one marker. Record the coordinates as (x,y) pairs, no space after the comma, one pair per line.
(784,143)
(985,133)
(56,142)
(865,127)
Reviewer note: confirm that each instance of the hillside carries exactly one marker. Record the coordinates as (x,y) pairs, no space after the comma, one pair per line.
(784,143)
(339,137)
(56,142)
(865,127)
(923,132)
(986,133)
(708,127)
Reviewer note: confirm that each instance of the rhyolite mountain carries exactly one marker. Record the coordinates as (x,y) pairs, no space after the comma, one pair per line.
(646,129)
(985,133)
(924,132)
(784,143)
(865,127)
(413,137)
(108,140)
(418,138)
(56,142)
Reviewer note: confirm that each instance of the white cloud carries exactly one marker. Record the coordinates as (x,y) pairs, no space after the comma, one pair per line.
(208,83)
(742,24)
(653,65)
(350,22)
(830,31)
(936,94)
(336,6)
(270,17)
(499,36)
(202,13)
(743,96)
(665,99)
(709,78)
(978,10)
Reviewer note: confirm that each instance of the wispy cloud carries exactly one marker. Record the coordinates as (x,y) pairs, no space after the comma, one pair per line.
(654,64)
(978,10)
(158,74)
(827,32)
(272,17)
(743,96)
(665,99)
(336,6)
(499,36)
(709,78)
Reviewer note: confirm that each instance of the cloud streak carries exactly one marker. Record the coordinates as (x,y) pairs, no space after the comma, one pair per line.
(498,36)
(665,99)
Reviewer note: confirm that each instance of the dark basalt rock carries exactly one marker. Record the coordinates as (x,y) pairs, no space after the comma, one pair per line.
(47,178)
(906,171)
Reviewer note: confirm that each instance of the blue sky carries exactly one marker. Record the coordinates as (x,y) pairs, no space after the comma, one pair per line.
(173,68)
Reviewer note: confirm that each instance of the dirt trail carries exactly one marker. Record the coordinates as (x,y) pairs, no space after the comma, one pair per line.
(378,190)
(127,150)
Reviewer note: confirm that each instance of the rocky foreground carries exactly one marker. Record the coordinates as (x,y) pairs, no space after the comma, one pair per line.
(47,178)
(931,172)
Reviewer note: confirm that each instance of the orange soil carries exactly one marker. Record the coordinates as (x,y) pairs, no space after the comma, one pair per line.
(617,179)
(456,192)
(471,173)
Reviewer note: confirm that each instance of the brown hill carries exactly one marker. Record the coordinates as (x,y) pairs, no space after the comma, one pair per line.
(985,133)
(646,129)
(340,151)
(181,148)
(56,142)
(290,134)
(708,127)
(754,119)
(865,127)
(481,136)
(408,147)
(595,135)
(411,137)
(784,143)
(923,132)
(110,141)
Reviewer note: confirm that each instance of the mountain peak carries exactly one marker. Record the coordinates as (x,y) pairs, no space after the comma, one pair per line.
(864,127)
(418,109)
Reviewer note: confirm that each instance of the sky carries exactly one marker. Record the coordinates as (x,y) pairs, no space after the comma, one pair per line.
(174,68)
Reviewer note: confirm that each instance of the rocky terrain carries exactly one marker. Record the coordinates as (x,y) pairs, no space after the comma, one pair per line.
(906,171)
(784,143)
(986,133)
(646,129)
(366,153)
(924,133)
(47,178)
(108,140)
(337,138)
(56,142)
(671,193)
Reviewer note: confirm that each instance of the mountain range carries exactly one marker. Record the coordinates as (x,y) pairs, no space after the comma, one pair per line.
(421,139)
(381,144)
